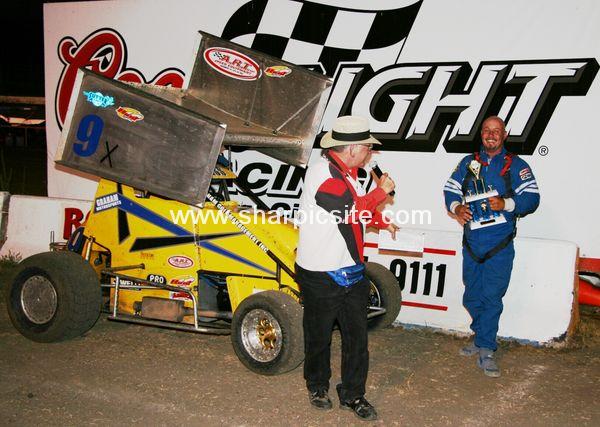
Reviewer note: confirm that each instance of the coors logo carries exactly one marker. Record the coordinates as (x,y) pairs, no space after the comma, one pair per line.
(104,52)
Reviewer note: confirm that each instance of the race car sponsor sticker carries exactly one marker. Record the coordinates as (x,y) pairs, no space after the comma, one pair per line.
(525,174)
(180,261)
(106,202)
(156,278)
(183,282)
(99,100)
(232,63)
(124,282)
(129,114)
(277,71)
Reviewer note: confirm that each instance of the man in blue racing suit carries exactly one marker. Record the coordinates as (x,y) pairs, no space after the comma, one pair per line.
(488,252)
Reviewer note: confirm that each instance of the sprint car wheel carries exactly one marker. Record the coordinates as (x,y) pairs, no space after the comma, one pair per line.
(266,333)
(53,296)
(384,293)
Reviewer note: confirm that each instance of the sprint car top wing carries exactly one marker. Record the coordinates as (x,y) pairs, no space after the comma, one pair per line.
(166,140)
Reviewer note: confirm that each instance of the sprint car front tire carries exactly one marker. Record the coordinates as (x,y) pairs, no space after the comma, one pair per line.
(267,334)
(53,296)
(384,293)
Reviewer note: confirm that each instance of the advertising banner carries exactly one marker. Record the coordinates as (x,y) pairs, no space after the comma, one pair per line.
(426,73)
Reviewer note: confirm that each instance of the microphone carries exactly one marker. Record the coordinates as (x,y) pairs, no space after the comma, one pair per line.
(378,173)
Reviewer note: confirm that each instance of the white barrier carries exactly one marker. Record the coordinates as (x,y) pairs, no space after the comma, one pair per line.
(538,306)
(31,220)
(4,200)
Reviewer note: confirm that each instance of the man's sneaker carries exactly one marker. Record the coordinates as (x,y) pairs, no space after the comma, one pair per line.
(469,350)
(487,363)
(361,407)
(319,399)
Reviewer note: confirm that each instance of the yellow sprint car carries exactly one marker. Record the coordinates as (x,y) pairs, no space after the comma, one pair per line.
(163,244)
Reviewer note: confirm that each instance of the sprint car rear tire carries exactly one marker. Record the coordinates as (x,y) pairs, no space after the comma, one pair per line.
(53,296)
(267,334)
(385,292)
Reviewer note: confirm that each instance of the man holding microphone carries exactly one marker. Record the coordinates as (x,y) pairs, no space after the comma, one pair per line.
(330,264)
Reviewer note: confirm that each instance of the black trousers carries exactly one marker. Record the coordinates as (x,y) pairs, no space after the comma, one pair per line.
(325,302)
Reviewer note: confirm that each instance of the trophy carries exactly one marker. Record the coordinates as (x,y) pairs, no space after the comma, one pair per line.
(478,201)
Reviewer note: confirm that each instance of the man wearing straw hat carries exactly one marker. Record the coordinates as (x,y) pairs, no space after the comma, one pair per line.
(330,264)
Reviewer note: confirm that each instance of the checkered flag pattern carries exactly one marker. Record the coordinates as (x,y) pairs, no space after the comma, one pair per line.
(321,36)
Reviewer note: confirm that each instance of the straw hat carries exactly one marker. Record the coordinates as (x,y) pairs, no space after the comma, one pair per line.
(348,130)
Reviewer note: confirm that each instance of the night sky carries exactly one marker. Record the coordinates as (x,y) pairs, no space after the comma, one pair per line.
(22,48)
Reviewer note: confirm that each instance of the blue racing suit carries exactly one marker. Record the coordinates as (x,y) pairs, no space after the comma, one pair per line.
(486,280)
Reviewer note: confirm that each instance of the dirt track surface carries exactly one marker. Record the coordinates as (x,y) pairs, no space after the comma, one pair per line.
(122,374)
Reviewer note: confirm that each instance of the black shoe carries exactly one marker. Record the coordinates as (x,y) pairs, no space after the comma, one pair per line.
(361,407)
(319,399)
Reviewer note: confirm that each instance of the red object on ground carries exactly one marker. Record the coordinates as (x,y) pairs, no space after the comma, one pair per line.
(588,294)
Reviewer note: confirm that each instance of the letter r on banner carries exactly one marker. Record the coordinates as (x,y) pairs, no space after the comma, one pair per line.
(73,218)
